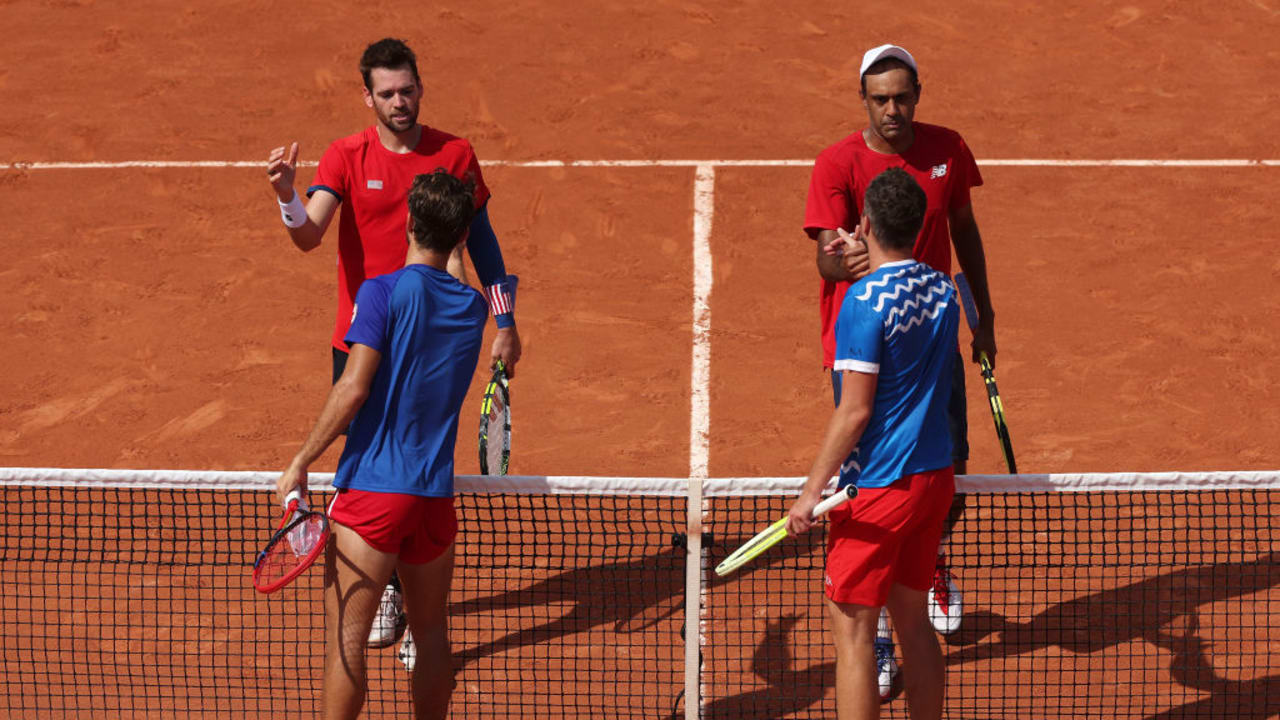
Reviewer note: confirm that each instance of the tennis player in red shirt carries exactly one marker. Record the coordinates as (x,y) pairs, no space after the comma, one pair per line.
(940,161)
(369,174)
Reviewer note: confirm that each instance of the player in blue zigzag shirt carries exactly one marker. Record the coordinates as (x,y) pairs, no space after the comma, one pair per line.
(895,340)
(415,340)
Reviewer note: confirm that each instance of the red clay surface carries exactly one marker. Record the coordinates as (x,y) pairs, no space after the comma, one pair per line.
(159,318)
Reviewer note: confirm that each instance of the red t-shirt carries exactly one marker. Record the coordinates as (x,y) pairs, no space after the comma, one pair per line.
(938,159)
(373,185)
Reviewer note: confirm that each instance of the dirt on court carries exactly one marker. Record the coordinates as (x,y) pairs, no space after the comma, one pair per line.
(159,317)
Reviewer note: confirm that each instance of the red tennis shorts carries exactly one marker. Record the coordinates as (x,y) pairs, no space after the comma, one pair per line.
(418,529)
(887,535)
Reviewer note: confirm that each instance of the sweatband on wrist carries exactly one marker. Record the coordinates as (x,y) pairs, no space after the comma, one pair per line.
(293,213)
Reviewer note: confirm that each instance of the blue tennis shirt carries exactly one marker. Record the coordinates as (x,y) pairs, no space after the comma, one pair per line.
(900,323)
(428,328)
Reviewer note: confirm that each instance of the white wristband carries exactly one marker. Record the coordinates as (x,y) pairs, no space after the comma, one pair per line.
(292,212)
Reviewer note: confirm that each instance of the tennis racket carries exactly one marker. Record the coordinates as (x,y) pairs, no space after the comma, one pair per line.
(770,536)
(988,375)
(495,424)
(296,543)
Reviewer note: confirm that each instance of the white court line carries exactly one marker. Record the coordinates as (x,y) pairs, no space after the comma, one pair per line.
(700,421)
(990,162)
(696,562)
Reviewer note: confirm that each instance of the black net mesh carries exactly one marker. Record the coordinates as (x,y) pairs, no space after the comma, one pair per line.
(138,602)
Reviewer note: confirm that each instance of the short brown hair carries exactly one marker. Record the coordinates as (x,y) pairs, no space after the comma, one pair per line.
(441,208)
(389,54)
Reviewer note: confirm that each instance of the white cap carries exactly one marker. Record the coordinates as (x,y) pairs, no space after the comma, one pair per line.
(876,54)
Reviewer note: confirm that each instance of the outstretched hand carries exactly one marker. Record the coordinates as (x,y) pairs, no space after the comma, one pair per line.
(852,250)
(281,170)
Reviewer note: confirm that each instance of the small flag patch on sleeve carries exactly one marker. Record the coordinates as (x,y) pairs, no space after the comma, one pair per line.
(499,298)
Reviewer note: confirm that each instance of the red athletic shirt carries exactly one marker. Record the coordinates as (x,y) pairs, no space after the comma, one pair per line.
(373,185)
(938,159)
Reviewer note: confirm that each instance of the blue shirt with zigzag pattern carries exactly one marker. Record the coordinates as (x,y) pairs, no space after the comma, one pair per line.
(900,323)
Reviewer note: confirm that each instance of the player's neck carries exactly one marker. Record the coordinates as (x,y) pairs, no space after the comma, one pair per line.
(884,146)
(878,256)
(421,256)
(399,142)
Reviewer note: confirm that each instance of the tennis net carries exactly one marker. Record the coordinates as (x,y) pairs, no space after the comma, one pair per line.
(127,593)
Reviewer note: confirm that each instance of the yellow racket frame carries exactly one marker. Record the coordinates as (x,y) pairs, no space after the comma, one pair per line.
(771,535)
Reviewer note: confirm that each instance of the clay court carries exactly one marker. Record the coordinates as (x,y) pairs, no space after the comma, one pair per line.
(162,319)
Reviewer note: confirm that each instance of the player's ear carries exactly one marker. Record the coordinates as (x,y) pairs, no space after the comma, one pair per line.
(368,96)
(864,222)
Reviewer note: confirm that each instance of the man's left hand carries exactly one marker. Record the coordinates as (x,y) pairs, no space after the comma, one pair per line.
(984,341)
(506,347)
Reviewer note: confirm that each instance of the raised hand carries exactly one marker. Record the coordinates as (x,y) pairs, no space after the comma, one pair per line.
(281,170)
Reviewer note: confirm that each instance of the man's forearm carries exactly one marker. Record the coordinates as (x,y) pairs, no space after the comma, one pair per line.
(309,221)
(973,261)
(305,238)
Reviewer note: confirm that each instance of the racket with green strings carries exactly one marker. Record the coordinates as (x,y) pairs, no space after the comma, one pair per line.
(495,424)
(988,375)
(771,535)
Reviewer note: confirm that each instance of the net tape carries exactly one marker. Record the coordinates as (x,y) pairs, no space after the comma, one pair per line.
(595,485)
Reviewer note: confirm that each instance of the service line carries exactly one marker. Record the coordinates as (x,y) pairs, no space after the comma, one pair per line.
(990,162)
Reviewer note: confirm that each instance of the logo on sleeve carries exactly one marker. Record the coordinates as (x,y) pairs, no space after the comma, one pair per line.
(938,171)
(354,309)
(377,184)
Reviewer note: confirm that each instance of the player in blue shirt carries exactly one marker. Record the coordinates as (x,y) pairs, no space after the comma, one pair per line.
(415,340)
(895,340)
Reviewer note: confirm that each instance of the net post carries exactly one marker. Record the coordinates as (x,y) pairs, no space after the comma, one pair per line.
(699,429)
(694,569)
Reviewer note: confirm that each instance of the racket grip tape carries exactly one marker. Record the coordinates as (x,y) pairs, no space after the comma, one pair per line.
(848,492)
(297,495)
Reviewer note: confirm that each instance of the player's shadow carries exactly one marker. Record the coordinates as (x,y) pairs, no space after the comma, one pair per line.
(789,690)
(642,597)
(1161,610)
(1258,698)
(629,596)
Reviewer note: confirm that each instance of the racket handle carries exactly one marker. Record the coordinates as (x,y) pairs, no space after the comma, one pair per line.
(296,495)
(848,492)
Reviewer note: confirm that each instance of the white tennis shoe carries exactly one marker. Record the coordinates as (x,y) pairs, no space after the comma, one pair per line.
(945,600)
(408,652)
(390,621)
(886,668)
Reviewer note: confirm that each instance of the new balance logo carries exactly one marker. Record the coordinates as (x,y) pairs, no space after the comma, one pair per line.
(938,171)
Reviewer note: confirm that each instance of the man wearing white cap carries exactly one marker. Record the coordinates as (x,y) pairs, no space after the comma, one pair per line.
(938,159)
